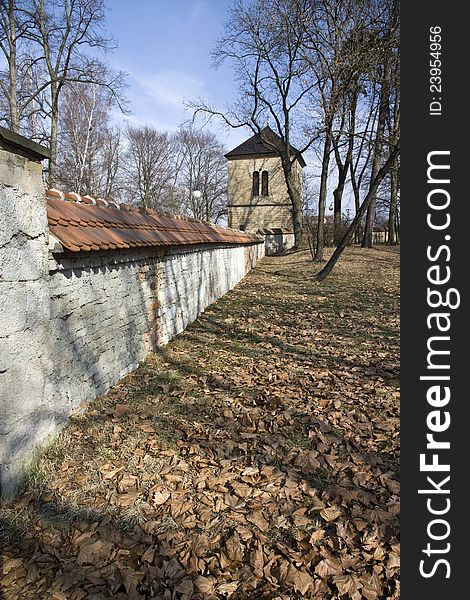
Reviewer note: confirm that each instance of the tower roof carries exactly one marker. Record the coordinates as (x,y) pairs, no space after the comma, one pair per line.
(256,146)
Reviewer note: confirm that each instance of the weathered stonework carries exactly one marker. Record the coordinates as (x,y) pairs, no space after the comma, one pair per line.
(24,305)
(258,198)
(74,323)
(109,309)
(278,243)
(259,212)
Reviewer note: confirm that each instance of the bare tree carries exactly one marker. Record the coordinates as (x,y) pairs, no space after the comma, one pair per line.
(371,195)
(362,153)
(88,160)
(62,32)
(387,45)
(112,156)
(394,129)
(44,44)
(339,50)
(264,40)
(201,166)
(309,193)
(343,165)
(149,166)
(298,63)
(9,35)
(21,86)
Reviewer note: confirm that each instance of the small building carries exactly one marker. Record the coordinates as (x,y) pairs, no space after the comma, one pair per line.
(258,200)
(379,234)
(277,240)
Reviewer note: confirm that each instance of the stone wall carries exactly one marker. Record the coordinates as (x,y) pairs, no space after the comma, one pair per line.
(191,281)
(74,323)
(109,309)
(24,306)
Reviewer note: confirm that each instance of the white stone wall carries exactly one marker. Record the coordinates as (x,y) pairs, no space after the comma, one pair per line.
(191,281)
(24,308)
(110,309)
(103,307)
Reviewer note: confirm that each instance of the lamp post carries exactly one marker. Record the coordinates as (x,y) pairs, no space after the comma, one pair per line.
(196,194)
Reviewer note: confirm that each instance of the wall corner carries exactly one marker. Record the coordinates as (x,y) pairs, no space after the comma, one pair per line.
(24,304)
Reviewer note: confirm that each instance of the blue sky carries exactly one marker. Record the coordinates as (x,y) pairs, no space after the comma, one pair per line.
(164,46)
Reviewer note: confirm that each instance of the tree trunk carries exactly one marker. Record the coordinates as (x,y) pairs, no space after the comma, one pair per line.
(53,139)
(12,72)
(86,159)
(338,199)
(322,196)
(394,170)
(357,172)
(296,201)
(379,138)
(367,240)
(297,223)
(343,168)
(392,215)
(357,219)
(357,204)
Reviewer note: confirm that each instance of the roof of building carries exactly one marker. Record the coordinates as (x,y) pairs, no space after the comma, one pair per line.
(81,223)
(256,146)
(275,231)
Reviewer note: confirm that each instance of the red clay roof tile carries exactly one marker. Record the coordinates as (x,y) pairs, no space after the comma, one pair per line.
(82,223)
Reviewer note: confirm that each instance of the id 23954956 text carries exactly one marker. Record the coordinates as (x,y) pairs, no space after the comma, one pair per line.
(435,70)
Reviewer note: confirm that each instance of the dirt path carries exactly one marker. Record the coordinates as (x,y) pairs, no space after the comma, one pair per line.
(255,456)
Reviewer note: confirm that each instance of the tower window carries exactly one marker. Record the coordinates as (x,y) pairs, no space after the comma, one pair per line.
(255,190)
(264,183)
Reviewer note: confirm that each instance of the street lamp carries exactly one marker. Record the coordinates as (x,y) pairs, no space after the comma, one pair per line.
(196,194)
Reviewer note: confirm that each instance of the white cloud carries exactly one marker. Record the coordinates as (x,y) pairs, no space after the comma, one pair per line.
(169,88)
(157,100)
(198,9)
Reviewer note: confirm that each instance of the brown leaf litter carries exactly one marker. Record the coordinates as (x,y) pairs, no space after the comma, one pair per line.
(255,456)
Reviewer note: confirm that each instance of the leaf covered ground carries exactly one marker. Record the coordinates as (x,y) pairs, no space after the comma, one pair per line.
(255,456)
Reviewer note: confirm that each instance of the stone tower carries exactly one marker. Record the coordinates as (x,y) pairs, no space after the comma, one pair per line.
(257,192)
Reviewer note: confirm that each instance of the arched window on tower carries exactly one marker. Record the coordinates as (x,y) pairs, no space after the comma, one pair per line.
(255,189)
(264,183)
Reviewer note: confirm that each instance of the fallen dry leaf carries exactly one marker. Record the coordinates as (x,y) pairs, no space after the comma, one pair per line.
(328,566)
(331,513)
(94,552)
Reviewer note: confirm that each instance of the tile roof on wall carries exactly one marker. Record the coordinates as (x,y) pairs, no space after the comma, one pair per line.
(81,223)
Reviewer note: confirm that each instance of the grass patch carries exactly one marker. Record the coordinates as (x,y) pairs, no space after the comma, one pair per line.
(298,440)
(320,479)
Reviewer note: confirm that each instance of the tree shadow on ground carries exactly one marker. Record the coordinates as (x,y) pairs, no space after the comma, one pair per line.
(56,549)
